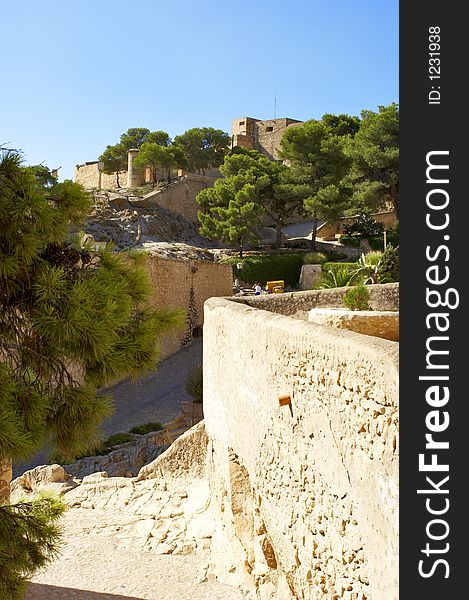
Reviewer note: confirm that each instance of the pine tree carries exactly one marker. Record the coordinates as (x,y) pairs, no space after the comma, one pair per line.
(33,537)
(72,319)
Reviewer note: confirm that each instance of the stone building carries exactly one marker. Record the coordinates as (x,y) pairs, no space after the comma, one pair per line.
(263,136)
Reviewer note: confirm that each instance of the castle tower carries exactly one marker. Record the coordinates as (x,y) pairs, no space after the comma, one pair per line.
(135,176)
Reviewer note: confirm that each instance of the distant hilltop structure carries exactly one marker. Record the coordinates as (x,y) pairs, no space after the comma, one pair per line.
(246,132)
(263,136)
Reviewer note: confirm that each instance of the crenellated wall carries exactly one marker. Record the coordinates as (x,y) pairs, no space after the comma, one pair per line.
(306,493)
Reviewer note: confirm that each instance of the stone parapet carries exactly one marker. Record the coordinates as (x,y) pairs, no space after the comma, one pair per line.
(302,422)
(383,324)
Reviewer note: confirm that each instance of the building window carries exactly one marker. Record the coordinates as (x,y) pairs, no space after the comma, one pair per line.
(269,128)
(242,123)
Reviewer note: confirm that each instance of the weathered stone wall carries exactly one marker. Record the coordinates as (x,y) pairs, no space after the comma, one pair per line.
(186,284)
(88,176)
(263,136)
(330,228)
(297,304)
(380,323)
(306,493)
(180,197)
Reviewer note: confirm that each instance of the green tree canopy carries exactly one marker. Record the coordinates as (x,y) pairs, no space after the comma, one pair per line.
(156,156)
(270,180)
(72,319)
(134,137)
(115,156)
(114,159)
(203,147)
(316,152)
(230,211)
(375,155)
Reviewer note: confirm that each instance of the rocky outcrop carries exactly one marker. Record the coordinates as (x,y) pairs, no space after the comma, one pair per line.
(119,218)
(46,478)
(127,459)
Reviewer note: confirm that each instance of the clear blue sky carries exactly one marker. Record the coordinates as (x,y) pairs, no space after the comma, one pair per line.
(75,75)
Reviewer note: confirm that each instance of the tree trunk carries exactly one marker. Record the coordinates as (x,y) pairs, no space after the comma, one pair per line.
(117,179)
(5,480)
(169,175)
(313,235)
(278,240)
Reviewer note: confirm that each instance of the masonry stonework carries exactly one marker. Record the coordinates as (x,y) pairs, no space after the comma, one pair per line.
(319,475)
(90,178)
(263,136)
(186,284)
(180,196)
(330,229)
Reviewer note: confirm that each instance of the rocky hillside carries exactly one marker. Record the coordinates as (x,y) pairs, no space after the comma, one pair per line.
(117,219)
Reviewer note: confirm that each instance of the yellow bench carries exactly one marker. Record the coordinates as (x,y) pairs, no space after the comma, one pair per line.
(275,287)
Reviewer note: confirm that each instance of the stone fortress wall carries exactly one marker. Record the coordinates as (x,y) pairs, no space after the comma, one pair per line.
(330,229)
(186,284)
(91,177)
(263,136)
(302,422)
(179,197)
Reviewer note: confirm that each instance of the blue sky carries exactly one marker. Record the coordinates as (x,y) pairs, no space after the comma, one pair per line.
(76,75)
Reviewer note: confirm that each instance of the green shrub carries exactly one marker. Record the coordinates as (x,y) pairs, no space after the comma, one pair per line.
(265,268)
(117,439)
(147,428)
(392,237)
(373,258)
(336,275)
(30,535)
(364,226)
(195,384)
(388,270)
(315,258)
(376,242)
(357,298)
(333,256)
(348,240)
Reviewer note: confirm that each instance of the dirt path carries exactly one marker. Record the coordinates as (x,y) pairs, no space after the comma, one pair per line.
(98,562)
(156,397)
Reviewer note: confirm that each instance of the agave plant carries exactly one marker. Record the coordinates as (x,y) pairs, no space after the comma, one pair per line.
(338,277)
(367,270)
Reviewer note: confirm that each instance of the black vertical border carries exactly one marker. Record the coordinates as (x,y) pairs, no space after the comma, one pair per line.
(427,127)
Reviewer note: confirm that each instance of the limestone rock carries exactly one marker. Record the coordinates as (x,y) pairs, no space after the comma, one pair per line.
(182,460)
(51,478)
(126,460)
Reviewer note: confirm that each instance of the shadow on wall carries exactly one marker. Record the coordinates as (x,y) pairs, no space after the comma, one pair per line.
(38,591)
